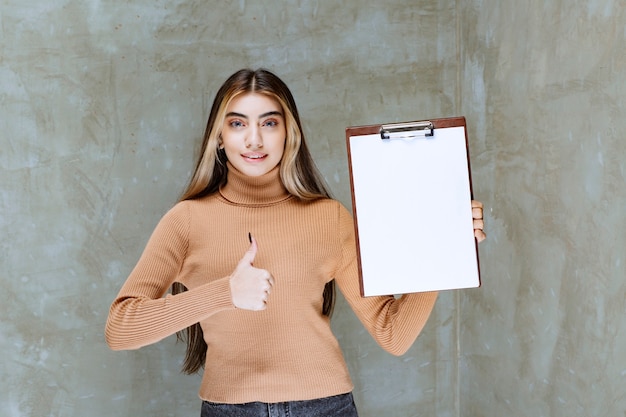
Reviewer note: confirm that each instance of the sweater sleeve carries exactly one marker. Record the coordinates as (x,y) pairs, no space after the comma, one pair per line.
(393,322)
(141,314)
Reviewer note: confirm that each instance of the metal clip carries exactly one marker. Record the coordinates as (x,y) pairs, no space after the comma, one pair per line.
(406,130)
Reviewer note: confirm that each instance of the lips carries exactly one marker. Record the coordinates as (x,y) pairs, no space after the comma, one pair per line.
(254,156)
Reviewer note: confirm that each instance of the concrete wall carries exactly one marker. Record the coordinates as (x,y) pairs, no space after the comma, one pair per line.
(544,87)
(103,103)
(102,106)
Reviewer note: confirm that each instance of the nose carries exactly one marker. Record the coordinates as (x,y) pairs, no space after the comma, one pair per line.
(254,139)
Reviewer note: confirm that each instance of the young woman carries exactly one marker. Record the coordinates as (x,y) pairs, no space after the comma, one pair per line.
(252,253)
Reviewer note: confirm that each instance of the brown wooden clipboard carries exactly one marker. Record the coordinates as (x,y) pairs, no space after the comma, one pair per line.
(411,201)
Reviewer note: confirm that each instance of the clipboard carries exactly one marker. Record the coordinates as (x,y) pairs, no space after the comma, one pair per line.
(411,202)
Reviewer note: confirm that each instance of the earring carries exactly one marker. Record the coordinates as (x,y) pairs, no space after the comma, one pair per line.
(221,156)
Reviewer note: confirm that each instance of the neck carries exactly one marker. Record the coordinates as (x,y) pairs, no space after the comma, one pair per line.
(265,189)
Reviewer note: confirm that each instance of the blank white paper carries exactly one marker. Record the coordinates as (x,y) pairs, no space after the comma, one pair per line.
(413,212)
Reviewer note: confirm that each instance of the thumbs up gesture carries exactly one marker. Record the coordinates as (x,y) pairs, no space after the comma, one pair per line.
(249,286)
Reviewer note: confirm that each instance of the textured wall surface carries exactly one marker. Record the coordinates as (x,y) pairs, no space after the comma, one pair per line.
(102,105)
(544,86)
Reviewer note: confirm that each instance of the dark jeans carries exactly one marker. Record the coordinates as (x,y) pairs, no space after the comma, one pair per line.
(337,405)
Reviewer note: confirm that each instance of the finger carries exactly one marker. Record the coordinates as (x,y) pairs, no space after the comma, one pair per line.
(479,233)
(260,306)
(267,286)
(477,209)
(250,254)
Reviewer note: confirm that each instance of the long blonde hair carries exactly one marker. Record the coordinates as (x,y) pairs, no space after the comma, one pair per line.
(298,173)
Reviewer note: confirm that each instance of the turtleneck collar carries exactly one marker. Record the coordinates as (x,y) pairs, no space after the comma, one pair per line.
(241,189)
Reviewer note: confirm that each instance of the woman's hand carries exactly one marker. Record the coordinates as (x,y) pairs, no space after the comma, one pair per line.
(479,224)
(249,286)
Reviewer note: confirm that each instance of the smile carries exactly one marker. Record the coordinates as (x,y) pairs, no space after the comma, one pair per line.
(255,156)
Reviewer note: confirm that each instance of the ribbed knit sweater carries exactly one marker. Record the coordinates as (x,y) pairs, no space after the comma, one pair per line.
(286,352)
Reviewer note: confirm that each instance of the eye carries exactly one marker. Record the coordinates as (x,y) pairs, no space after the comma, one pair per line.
(270,123)
(235,123)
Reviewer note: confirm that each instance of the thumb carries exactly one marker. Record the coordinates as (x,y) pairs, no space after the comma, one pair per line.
(250,254)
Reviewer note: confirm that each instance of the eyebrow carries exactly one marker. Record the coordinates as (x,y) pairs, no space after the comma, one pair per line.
(243,116)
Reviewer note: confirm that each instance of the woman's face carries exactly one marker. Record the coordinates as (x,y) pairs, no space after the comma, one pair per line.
(253,135)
